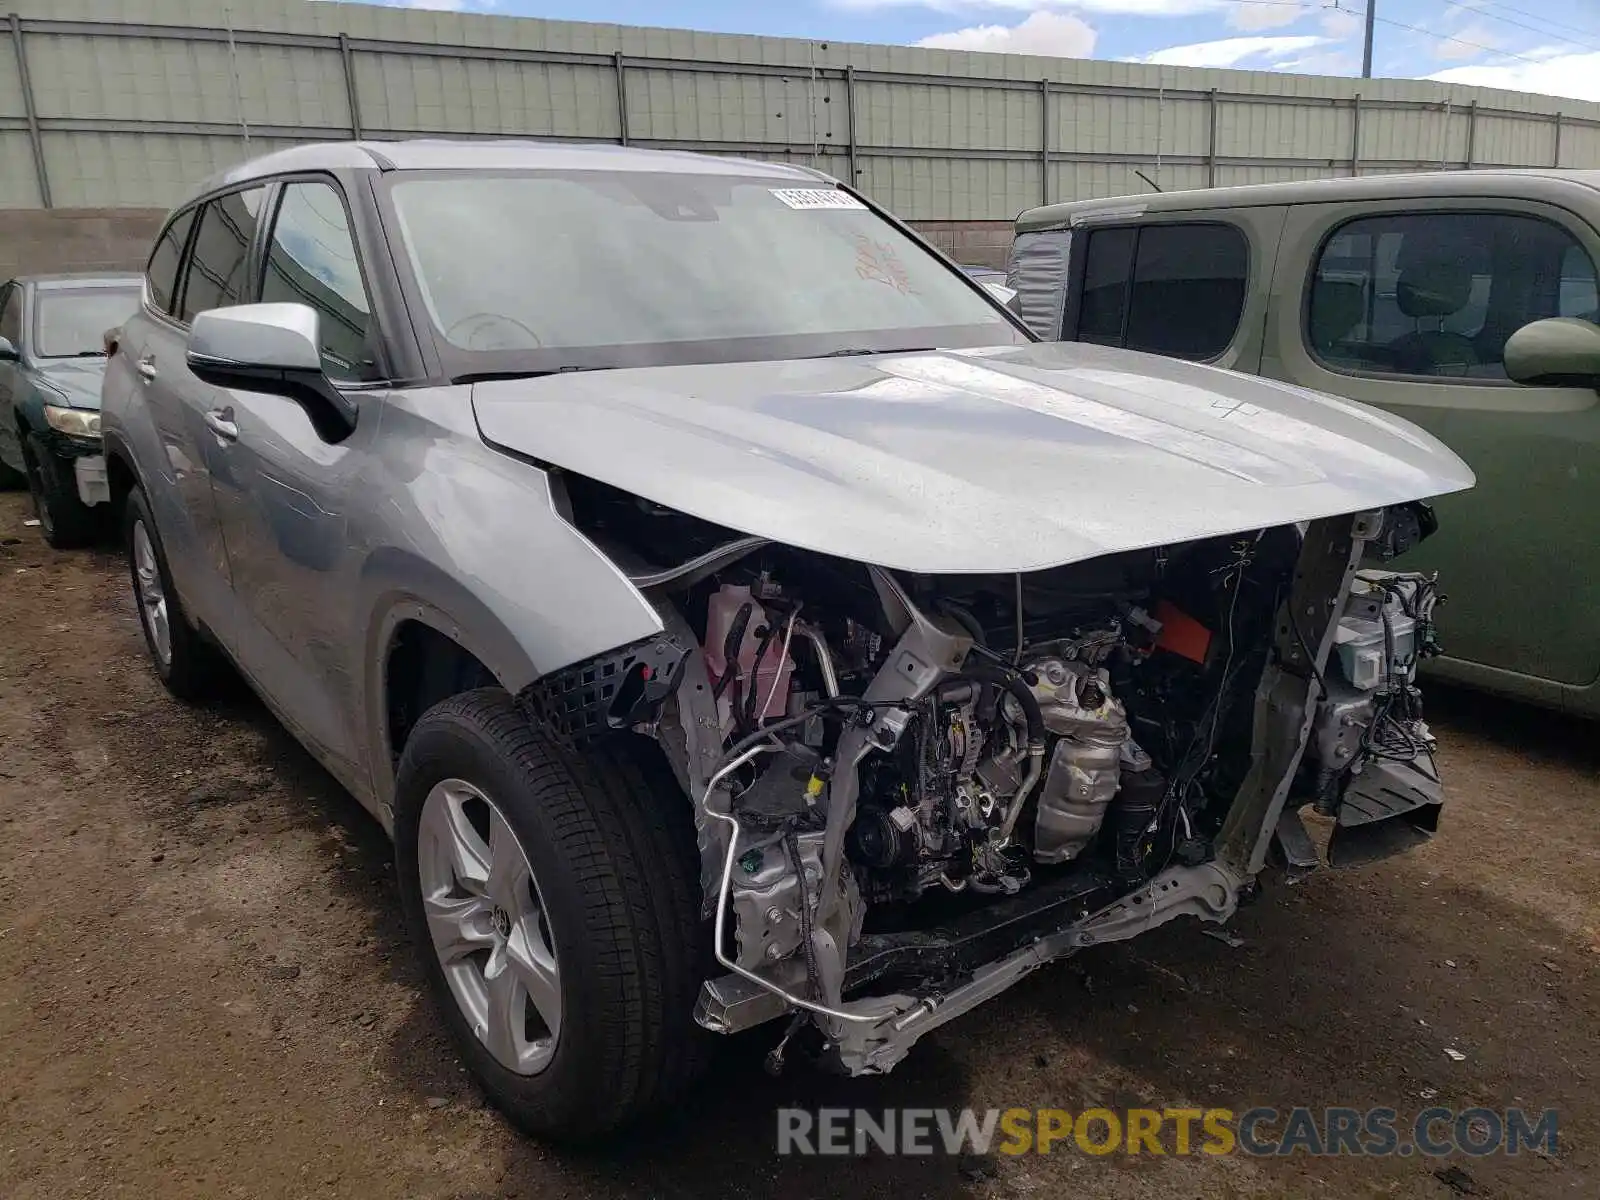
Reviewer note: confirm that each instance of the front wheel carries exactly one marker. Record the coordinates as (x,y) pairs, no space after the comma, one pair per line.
(64,519)
(554,900)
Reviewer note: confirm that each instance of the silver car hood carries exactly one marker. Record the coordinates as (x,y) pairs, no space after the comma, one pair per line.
(1010,459)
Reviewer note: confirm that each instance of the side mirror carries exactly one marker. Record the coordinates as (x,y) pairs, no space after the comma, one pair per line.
(1555,352)
(270,348)
(1000,292)
(8,352)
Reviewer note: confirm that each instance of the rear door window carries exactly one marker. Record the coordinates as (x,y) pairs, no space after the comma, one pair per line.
(1175,289)
(219,265)
(162,272)
(1438,294)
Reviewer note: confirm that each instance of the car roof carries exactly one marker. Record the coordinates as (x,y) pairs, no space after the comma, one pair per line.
(437,154)
(1497,182)
(80,279)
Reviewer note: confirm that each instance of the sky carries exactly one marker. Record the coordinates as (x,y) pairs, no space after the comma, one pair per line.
(1527,45)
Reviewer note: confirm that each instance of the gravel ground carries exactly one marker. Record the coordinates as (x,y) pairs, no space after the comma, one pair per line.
(205,990)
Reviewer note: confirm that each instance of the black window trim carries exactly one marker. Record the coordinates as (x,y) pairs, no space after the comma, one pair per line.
(1400,376)
(1078,270)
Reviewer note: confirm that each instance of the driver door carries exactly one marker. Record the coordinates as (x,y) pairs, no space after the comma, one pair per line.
(283,499)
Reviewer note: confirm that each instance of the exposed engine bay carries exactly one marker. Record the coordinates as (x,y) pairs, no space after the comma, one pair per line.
(912,790)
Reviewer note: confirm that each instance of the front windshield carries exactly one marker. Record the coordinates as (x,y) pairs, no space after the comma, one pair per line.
(590,269)
(72,322)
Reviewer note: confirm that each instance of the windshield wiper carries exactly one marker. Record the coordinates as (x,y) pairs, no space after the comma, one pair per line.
(78,354)
(855,351)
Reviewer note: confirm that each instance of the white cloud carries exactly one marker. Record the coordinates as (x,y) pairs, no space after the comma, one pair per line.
(1340,23)
(1230,52)
(1575,75)
(1042,33)
(1253,16)
(1467,42)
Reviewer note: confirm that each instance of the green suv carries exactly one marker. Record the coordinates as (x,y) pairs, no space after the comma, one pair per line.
(1463,301)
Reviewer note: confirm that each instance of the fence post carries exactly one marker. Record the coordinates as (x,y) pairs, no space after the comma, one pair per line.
(1355,136)
(850,123)
(1472,133)
(32,113)
(1044,141)
(354,101)
(1557,162)
(622,98)
(1211,144)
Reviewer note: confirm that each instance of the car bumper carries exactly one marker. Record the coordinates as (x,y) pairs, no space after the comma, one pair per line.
(90,473)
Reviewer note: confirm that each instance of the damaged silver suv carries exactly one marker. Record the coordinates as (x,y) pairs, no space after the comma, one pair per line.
(733,613)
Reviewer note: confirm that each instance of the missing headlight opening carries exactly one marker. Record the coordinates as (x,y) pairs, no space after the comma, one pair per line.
(912,790)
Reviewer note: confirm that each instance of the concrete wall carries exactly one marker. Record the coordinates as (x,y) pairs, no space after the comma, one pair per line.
(131,102)
(76,239)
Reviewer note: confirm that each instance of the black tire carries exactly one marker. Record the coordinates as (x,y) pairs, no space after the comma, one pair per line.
(65,521)
(11,478)
(617,870)
(194,670)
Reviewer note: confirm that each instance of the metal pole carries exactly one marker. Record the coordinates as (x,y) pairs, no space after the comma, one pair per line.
(1044,141)
(30,112)
(1355,136)
(351,97)
(1557,162)
(850,122)
(1211,145)
(1472,132)
(1366,44)
(622,98)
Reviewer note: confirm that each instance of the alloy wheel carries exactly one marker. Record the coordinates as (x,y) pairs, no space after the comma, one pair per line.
(152,596)
(488,926)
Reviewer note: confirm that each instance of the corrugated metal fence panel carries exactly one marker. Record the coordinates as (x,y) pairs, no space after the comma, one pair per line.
(1511,141)
(1580,146)
(18,186)
(937,134)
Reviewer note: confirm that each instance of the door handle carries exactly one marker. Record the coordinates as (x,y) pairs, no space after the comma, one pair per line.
(146,368)
(220,422)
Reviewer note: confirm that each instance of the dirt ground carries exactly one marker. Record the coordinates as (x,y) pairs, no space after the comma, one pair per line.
(205,990)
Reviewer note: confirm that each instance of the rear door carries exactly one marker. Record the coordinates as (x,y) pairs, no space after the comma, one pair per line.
(1408,305)
(283,491)
(214,273)
(1191,286)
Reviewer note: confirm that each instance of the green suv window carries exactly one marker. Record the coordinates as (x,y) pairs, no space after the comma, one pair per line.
(1176,289)
(1437,294)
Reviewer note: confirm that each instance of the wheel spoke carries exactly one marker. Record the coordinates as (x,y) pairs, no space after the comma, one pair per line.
(459,925)
(510,880)
(535,967)
(469,856)
(507,1011)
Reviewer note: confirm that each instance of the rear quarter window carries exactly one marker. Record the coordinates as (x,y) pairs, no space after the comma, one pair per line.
(1174,289)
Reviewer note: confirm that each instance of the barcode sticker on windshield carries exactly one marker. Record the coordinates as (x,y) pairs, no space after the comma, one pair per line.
(817,198)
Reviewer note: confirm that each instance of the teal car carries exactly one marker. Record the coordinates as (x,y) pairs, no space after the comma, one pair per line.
(52,358)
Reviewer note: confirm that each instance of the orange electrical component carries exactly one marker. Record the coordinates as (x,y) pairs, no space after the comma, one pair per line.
(1181,633)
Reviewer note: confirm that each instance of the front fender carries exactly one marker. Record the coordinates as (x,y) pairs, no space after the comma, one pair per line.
(468,540)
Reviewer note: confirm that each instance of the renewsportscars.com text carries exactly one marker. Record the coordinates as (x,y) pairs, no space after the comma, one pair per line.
(1380,1132)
